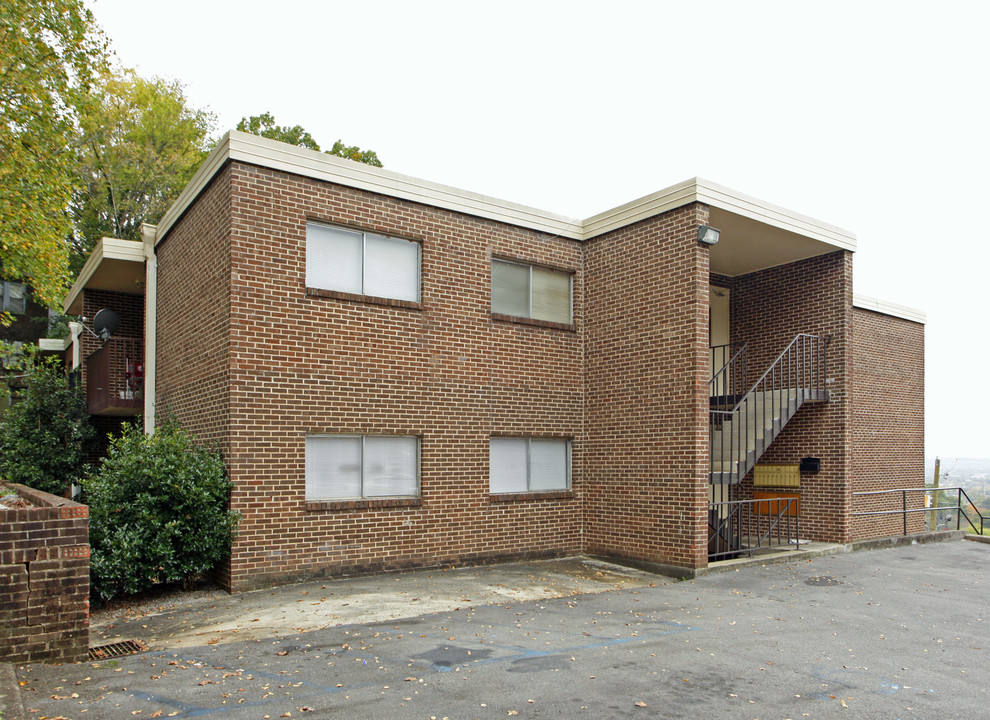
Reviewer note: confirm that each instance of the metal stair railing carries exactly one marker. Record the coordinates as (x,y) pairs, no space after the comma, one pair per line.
(728,373)
(739,436)
(742,527)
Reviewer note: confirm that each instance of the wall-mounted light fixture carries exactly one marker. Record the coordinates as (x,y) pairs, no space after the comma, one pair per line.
(708,235)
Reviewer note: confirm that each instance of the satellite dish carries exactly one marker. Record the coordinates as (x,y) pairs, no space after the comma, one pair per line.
(105,324)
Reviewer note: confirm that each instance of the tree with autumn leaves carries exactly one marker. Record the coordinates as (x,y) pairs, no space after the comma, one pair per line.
(50,55)
(88,149)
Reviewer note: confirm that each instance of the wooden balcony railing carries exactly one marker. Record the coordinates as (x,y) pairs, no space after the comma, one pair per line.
(115,378)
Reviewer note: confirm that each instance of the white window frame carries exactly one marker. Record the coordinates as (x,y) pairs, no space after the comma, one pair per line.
(529,298)
(362,496)
(529,473)
(364,257)
(7,286)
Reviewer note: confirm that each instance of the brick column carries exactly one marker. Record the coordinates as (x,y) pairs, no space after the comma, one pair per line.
(44,579)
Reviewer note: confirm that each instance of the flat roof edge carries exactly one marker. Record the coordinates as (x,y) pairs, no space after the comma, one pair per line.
(105,249)
(883,307)
(55,345)
(256,150)
(709,193)
(733,201)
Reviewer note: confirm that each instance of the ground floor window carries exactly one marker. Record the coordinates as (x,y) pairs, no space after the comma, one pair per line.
(361,466)
(520,464)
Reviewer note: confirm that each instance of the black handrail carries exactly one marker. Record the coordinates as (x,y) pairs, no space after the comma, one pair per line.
(797,372)
(741,527)
(961,512)
(728,372)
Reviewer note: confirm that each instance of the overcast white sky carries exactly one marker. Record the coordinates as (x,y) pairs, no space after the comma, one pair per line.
(871,116)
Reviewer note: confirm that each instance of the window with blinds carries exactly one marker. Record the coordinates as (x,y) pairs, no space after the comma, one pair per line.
(532,292)
(520,464)
(362,263)
(361,466)
(14,297)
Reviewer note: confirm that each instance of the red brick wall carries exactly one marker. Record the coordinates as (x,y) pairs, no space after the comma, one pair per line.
(646,420)
(194,284)
(888,431)
(299,363)
(770,307)
(251,360)
(44,579)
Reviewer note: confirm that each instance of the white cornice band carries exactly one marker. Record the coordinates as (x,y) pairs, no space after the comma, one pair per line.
(888,308)
(267,153)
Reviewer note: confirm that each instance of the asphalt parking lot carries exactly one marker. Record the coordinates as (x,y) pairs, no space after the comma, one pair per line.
(894,633)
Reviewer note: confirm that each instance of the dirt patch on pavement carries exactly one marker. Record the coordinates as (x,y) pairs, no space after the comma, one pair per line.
(211,616)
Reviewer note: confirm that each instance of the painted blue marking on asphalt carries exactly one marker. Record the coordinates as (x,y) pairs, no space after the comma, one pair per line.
(317,690)
(524,653)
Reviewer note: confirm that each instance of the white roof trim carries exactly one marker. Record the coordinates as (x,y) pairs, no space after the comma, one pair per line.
(54,344)
(309,163)
(888,308)
(105,248)
(261,151)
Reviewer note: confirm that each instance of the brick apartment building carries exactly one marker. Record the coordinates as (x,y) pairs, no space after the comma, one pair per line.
(404,374)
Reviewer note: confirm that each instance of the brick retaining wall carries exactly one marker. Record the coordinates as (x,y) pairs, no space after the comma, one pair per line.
(44,579)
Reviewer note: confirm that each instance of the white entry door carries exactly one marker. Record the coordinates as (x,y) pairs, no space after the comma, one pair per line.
(718,329)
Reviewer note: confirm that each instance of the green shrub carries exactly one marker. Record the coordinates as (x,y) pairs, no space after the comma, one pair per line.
(44,437)
(157,511)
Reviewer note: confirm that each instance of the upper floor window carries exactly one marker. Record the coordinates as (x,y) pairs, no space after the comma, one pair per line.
(529,291)
(361,466)
(362,263)
(14,297)
(521,464)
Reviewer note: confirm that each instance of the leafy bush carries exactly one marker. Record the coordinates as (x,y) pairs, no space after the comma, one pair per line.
(158,511)
(45,436)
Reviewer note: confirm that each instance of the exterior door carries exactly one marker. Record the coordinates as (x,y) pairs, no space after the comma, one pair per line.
(718,331)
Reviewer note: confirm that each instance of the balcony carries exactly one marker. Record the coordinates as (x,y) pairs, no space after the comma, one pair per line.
(115,378)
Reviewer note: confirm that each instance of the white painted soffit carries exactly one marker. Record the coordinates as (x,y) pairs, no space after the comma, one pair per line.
(888,308)
(308,163)
(113,264)
(718,196)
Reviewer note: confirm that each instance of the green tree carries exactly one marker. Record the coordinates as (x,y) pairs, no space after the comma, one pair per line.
(265,126)
(157,511)
(45,436)
(50,50)
(141,143)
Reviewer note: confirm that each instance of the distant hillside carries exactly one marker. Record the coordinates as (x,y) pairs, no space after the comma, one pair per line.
(959,471)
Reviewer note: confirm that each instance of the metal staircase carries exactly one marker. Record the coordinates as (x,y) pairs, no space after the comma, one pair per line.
(744,423)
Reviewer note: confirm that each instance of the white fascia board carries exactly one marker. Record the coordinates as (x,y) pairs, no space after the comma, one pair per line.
(263,152)
(727,199)
(54,344)
(256,150)
(214,161)
(105,249)
(661,201)
(709,193)
(888,308)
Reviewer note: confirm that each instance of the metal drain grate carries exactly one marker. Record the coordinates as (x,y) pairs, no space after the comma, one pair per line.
(117,649)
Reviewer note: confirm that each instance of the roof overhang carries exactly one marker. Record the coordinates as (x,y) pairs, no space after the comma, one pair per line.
(54,346)
(755,234)
(115,265)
